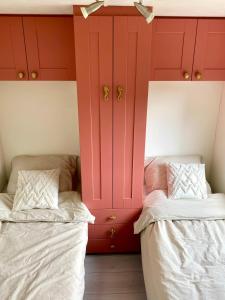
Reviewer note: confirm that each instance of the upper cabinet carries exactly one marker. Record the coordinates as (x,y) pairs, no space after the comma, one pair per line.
(173,49)
(209,59)
(188,49)
(50,47)
(37,48)
(13,63)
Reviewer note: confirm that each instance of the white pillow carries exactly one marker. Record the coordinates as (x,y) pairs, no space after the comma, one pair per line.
(186,181)
(37,189)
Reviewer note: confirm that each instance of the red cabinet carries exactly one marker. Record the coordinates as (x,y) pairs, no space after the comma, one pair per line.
(209,59)
(173,48)
(188,49)
(50,47)
(13,64)
(112,61)
(37,48)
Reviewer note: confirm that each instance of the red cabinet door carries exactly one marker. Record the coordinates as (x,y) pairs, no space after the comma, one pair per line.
(94,50)
(13,64)
(209,61)
(173,48)
(50,47)
(132,45)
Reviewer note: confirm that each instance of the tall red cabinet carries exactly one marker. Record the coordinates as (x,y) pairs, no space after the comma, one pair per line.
(112,65)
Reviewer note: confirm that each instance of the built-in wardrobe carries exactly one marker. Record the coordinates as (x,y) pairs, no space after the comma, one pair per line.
(112,64)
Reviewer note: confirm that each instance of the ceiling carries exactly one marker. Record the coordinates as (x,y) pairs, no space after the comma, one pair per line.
(210,8)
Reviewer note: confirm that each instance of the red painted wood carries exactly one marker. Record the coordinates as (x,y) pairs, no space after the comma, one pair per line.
(132,45)
(119,246)
(12,48)
(103,216)
(94,70)
(50,47)
(210,49)
(173,48)
(102,231)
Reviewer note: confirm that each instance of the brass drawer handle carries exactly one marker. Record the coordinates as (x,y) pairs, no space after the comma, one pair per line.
(112,233)
(34,75)
(198,75)
(186,75)
(106,92)
(112,246)
(120,92)
(112,218)
(21,75)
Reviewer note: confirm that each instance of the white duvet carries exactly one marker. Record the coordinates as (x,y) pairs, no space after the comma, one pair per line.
(183,247)
(42,251)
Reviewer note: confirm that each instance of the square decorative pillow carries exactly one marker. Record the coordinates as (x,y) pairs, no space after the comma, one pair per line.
(186,181)
(37,189)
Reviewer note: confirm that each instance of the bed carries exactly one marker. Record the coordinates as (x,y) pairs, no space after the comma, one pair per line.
(183,249)
(42,250)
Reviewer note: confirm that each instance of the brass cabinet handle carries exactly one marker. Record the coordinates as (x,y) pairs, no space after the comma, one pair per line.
(106,92)
(34,75)
(112,246)
(186,75)
(20,75)
(198,75)
(112,231)
(112,218)
(120,92)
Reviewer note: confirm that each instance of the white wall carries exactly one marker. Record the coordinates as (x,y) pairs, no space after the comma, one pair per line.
(182,118)
(218,164)
(38,118)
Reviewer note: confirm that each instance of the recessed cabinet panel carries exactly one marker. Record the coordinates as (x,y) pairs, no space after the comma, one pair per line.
(209,62)
(94,50)
(172,48)
(50,47)
(13,65)
(132,45)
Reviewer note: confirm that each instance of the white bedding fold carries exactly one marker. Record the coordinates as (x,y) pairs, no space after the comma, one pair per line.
(158,207)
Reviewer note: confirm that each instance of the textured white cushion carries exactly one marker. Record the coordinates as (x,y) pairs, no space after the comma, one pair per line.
(186,181)
(37,189)
(66,164)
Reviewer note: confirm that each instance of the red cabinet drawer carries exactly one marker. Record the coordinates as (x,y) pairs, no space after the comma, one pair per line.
(113,246)
(111,216)
(113,231)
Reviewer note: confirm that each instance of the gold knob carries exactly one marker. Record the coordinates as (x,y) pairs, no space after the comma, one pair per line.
(186,75)
(112,246)
(112,218)
(112,231)
(106,92)
(120,91)
(198,75)
(34,75)
(20,75)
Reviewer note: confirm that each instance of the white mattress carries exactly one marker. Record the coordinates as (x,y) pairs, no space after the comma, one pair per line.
(183,256)
(42,251)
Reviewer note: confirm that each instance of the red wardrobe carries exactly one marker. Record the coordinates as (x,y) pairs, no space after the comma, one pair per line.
(112,67)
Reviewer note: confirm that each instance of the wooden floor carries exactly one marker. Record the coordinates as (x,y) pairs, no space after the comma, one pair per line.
(114,277)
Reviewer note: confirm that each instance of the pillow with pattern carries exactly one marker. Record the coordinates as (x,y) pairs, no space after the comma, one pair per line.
(186,181)
(37,189)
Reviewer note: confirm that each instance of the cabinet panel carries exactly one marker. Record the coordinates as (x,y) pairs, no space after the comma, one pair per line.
(12,49)
(173,48)
(94,70)
(210,48)
(50,47)
(132,42)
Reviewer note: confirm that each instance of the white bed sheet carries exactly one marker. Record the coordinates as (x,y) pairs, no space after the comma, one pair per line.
(183,256)
(43,259)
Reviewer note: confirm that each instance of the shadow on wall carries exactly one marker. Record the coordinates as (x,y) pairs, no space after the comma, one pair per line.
(2,169)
